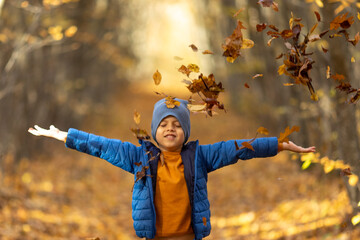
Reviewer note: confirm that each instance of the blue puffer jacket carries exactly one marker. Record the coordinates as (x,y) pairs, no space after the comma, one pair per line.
(198,161)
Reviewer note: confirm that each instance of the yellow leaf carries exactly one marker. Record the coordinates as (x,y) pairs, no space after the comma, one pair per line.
(358,15)
(196,107)
(137,117)
(247,43)
(230,59)
(24,4)
(306,164)
(355,219)
(270,40)
(328,72)
(157,77)
(329,166)
(207,52)
(282,69)
(352,59)
(358,204)
(193,67)
(353,179)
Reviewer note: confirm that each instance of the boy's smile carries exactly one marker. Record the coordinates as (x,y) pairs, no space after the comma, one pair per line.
(170,135)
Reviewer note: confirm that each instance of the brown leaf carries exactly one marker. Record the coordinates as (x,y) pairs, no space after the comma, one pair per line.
(207,52)
(248,146)
(157,77)
(137,117)
(273,28)
(318,17)
(324,49)
(246,85)
(236,146)
(345,172)
(183,69)
(260,27)
(193,47)
(269,3)
(138,164)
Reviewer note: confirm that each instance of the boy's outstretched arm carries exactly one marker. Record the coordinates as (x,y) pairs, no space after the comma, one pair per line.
(52,132)
(290,146)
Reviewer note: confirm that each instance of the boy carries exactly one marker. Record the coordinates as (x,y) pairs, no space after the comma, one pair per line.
(170,192)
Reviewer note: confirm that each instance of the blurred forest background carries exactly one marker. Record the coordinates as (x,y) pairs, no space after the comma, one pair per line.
(88,64)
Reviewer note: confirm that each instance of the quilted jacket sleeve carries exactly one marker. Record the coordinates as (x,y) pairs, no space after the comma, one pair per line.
(116,152)
(224,153)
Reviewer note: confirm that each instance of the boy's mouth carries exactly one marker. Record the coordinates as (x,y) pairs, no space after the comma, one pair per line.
(170,136)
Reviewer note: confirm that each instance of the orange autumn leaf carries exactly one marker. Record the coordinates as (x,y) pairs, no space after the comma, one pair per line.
(318,17)
(262,130)
(183,69)
(140,133)
(207,52)
(204,221)
(157,77)
(328,72)
(269,3)
(238,11)
(288,84)
(171,102)
(248,146)
(246,85)
(260,27)
(341,21)
(284,136)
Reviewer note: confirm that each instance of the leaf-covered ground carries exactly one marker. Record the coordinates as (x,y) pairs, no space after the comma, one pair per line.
(75,196)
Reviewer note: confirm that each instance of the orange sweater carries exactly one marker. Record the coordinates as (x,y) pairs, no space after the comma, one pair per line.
(172,204)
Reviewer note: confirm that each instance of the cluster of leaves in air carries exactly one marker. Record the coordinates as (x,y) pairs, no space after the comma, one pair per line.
(139,133)
(297,61)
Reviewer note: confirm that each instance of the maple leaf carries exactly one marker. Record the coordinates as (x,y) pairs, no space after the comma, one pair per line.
(284,136)
(183,69)
(136,117)
(193,47)
(157,77)
(234,43)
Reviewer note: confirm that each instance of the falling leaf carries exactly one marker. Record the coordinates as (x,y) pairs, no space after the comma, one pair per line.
(352,59)
(284,136)
(177,58)
(247,43)
(318,17)
(270,40)
(207,52)
(262,130)
(288,84)
(246,85)
(328,73)
(269,3)
(196,107)
(313,28)
(355,219)
(140,175)
(273,28)
(183,69)
(341,21)
(193,67)
(171,102)
(137,117)
(248,146)
(338,77)
(260,27)
(358,15)
(238,11)
(157,77)
(257,75)
(319,3)
(193,47)
(282,69)
(138,164)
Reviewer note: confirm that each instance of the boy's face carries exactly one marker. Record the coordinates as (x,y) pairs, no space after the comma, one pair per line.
(170,135)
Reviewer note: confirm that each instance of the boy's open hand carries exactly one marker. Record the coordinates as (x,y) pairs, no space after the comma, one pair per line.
(290,146)
(52,132)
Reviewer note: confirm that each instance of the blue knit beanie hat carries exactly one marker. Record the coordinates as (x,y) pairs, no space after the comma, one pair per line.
(181,112)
